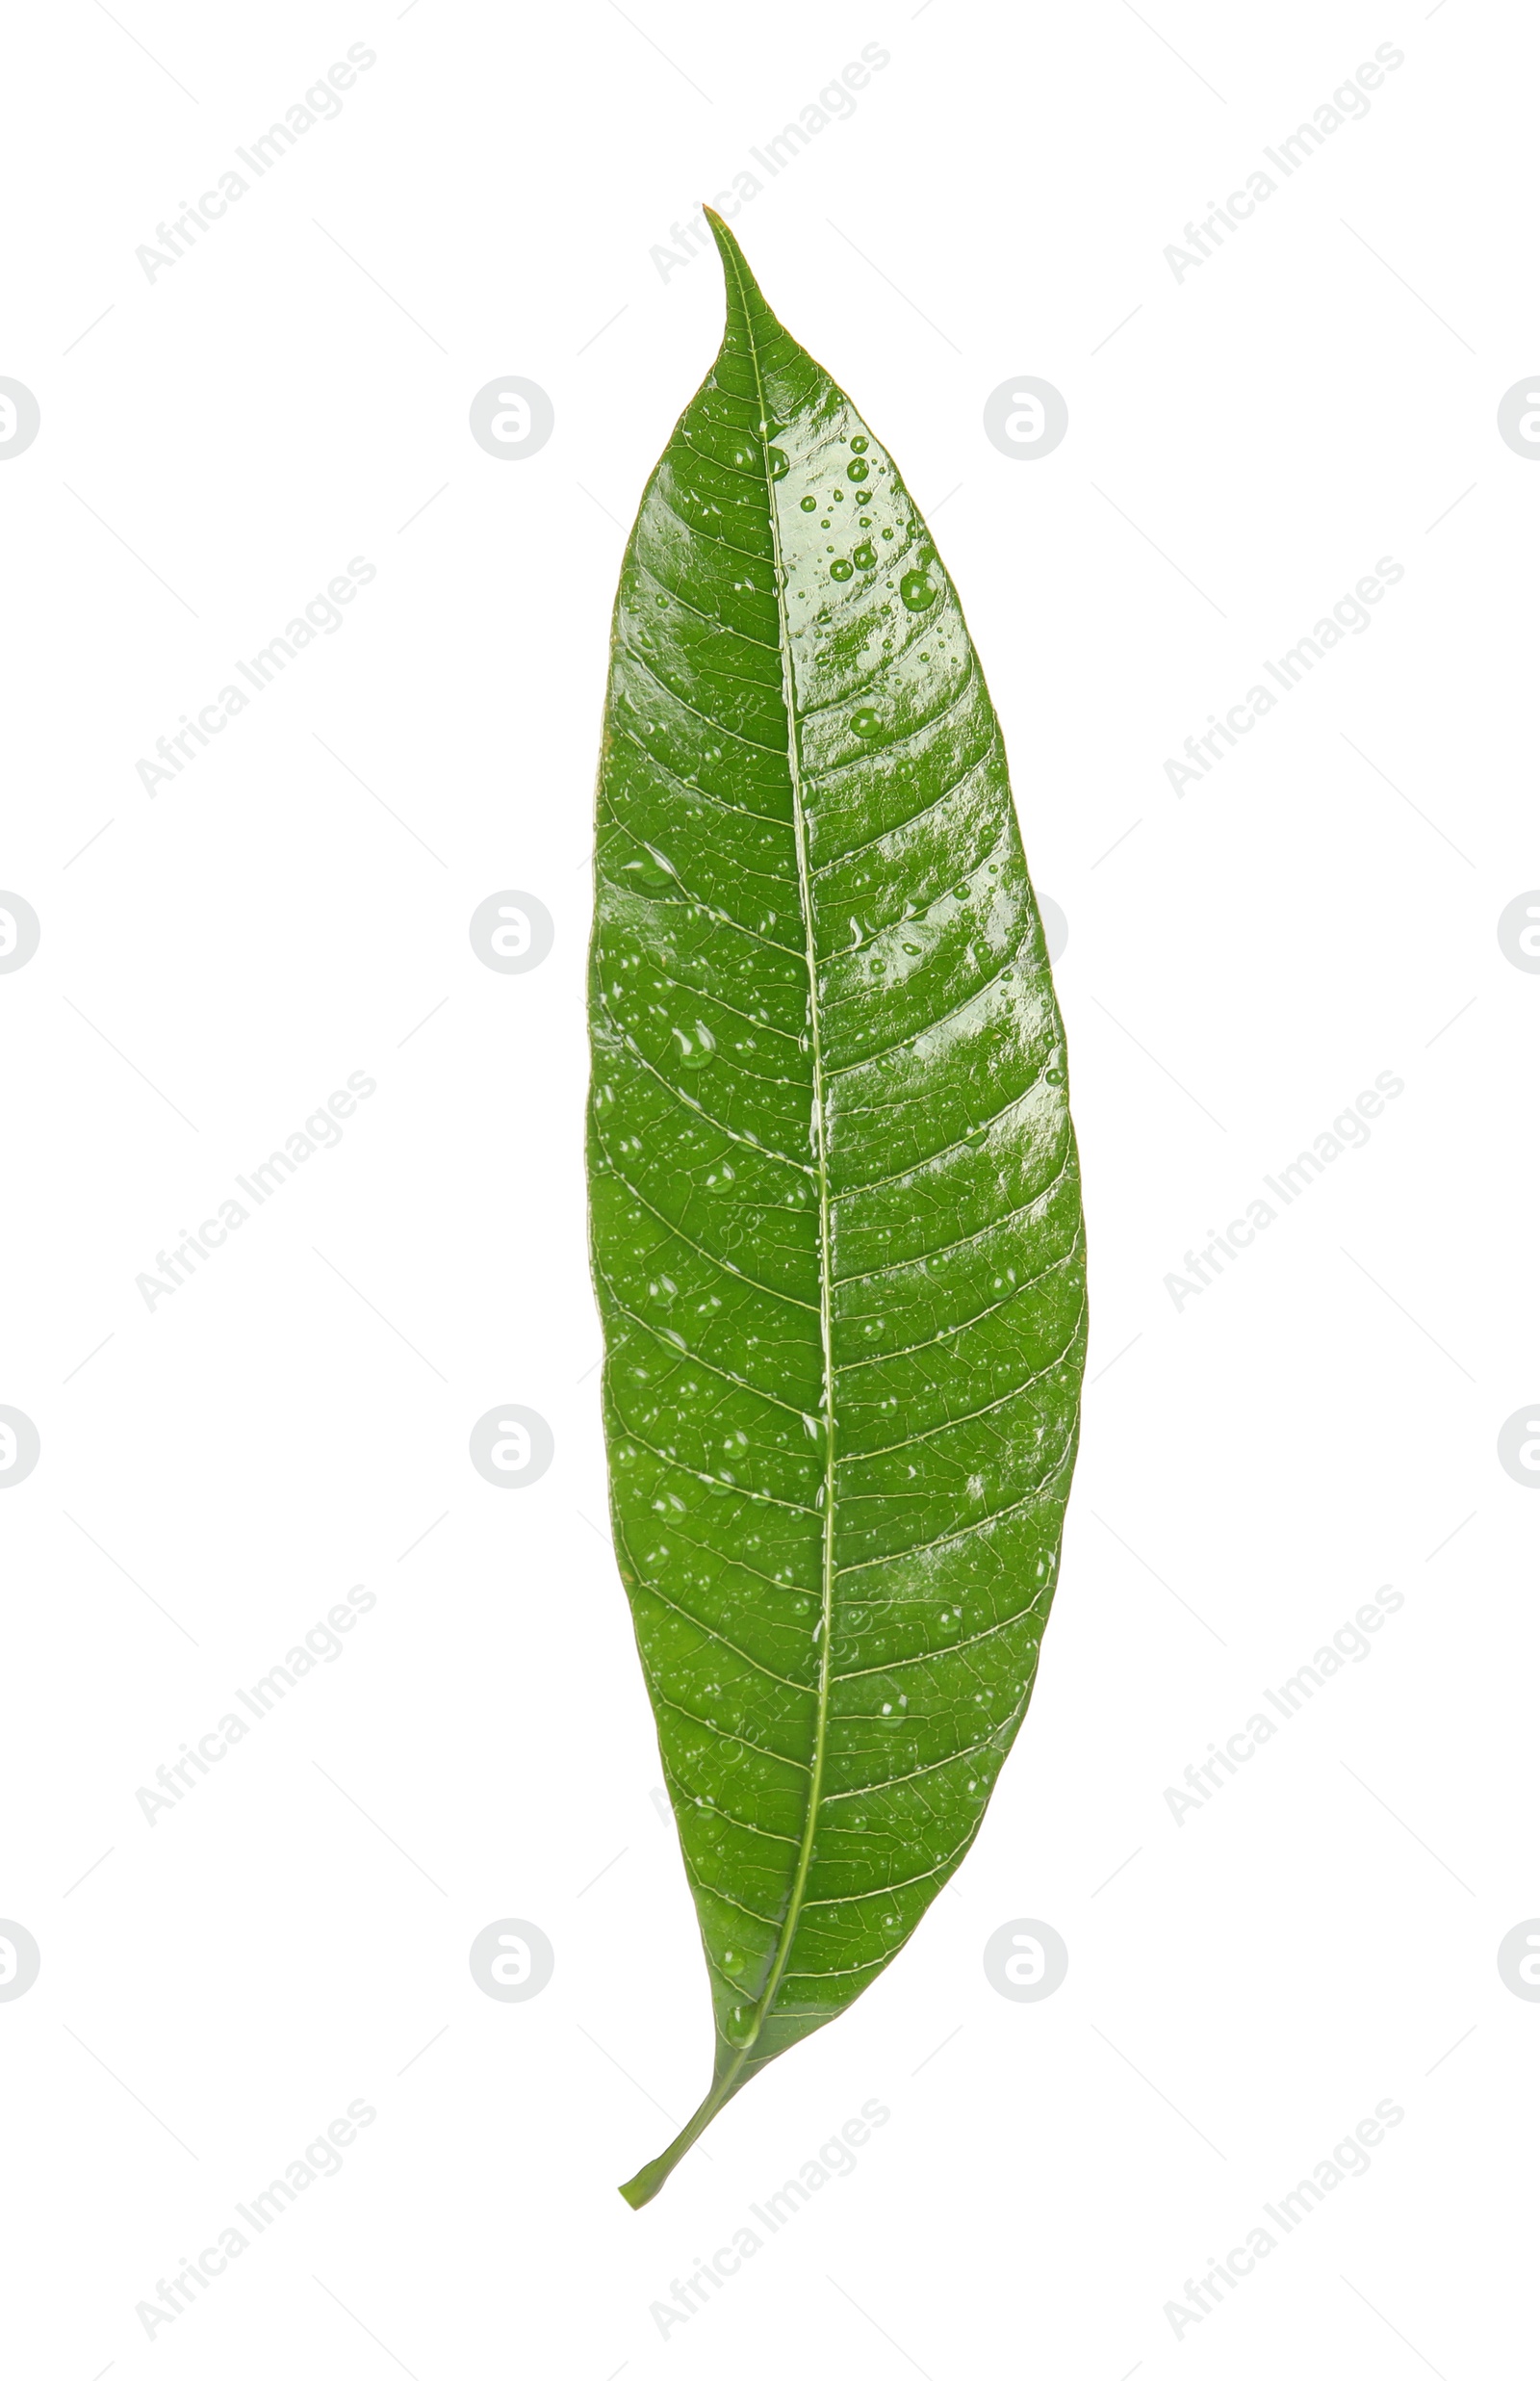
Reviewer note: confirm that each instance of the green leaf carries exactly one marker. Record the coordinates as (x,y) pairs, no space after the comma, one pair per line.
(836,1218)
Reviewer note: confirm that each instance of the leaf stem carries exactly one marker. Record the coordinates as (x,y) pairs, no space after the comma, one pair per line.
(649,2180)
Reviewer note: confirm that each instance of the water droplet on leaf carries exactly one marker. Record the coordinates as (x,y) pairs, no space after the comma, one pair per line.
(697,1050)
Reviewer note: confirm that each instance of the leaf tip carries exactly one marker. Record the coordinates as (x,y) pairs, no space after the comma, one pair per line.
(743,289)
(728,248)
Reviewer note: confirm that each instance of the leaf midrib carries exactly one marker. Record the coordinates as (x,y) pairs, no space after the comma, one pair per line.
(798,1885)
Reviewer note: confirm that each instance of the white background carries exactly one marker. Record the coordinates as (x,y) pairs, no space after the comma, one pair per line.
(1244,445)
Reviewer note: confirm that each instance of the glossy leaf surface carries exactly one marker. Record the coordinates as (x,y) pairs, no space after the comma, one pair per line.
(835,1217)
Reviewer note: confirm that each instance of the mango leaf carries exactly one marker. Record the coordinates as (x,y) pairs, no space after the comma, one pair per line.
(835,1220)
